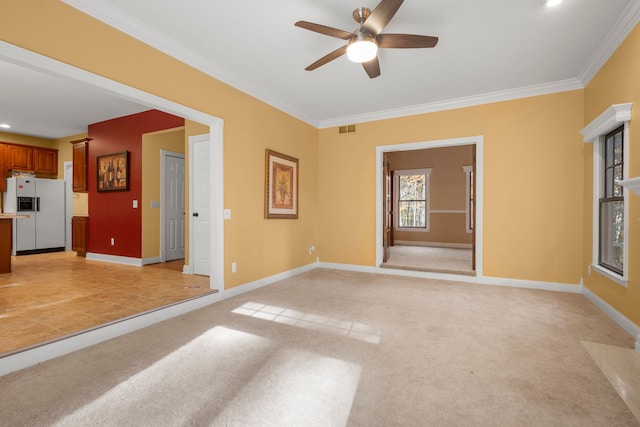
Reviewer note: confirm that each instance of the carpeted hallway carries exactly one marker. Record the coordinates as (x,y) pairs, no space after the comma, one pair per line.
(332,348)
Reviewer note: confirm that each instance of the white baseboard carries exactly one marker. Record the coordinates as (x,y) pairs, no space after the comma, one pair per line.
(347,267)
(153,260)
(250,286)
(530,284)
(115,259)
(614,315)
(434,244)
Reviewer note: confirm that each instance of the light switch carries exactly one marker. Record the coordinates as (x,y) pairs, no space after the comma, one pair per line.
(227,214)
(135,204)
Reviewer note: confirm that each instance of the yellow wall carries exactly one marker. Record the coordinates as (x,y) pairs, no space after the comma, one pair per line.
(447,187)
(260,247)
(152,143)
(26,140)
(617,82)
(533,172)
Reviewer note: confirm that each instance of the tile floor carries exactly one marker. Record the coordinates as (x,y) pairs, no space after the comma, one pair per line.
(48,296)
(621,366)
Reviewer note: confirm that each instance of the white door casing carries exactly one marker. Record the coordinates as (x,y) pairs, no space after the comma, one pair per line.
(172,210)
(478,141)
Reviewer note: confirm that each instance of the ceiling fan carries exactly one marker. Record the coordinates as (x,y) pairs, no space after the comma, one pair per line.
(363,44)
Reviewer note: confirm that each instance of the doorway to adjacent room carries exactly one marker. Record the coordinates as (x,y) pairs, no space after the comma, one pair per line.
(429,206)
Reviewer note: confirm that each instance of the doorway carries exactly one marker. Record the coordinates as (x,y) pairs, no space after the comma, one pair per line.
(439,253)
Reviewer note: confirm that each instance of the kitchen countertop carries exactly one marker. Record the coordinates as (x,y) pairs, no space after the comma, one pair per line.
(10,216)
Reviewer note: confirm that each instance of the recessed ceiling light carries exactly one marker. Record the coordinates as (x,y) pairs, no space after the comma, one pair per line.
(4,126)
(551,3)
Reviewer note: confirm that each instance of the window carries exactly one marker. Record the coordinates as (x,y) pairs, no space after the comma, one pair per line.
(609,134)
(611,224)
(469,192)
(412,199)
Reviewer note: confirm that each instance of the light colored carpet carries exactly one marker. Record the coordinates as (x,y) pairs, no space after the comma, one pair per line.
(424,258)
(331,348)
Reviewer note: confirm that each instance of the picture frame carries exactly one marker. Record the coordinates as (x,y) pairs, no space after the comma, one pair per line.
(113,172)
(280,186)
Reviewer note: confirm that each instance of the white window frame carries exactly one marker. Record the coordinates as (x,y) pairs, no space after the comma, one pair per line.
(467,193)
(595,132)
(396,192)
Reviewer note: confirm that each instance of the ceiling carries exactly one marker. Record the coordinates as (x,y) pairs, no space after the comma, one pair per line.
(488,51)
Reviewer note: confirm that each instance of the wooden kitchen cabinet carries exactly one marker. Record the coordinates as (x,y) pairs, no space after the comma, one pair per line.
(42,161)
(3,170)
(45,161)
(80,158)
(18,157)
(79,227)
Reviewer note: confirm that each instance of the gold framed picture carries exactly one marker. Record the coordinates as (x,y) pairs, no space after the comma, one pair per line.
(280,186)
(113,172)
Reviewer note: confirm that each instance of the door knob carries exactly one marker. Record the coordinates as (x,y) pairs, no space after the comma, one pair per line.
(195,214)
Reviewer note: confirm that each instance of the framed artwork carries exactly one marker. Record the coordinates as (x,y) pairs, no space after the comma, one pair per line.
(113,172)
(280,186)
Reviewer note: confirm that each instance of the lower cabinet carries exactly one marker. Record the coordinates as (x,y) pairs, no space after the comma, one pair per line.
(79,225)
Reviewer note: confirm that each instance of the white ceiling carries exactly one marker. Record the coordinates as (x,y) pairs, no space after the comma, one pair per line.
(38,104)
(488,51)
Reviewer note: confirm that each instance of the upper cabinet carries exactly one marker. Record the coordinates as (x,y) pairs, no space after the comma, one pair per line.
(18,157)
(45,162)
(80,158)
(42,161)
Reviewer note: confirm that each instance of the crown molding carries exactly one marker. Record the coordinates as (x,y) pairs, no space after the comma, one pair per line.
(627,21)
(113,17)
(452,104)
(104,12)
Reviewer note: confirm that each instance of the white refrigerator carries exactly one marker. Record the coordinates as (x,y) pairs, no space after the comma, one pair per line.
(43,201)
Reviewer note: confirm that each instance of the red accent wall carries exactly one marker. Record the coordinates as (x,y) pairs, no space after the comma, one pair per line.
(111,214)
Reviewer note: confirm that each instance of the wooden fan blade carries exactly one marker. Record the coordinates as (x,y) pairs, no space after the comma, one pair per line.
(323,29)
(327,58)
(381,16)
(372,68)
(405,41)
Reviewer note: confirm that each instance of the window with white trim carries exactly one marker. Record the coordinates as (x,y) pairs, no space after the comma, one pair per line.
(611,201)
(468,208)
(610,135)
(412,199)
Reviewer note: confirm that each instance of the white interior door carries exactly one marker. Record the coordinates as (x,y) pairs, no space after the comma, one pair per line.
(174,209)
(201,207)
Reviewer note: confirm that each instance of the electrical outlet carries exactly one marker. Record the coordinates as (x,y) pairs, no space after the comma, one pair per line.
(234,267)
(312,249)
(113,241)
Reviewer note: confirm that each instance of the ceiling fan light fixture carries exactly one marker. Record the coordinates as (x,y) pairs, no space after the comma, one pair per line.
(551,3)
(362,49)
